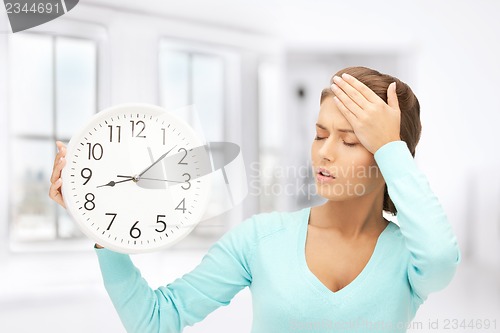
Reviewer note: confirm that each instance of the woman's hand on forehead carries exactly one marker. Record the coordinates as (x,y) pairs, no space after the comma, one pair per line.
(374,122)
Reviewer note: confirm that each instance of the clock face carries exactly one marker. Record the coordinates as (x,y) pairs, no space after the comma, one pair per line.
(132,179)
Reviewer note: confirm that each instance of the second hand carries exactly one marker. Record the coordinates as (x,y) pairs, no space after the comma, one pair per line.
(162,180)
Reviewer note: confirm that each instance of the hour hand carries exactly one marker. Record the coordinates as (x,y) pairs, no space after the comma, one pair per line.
(113,183)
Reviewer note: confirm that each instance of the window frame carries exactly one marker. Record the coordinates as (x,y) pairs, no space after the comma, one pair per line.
(231,57)
(75,30)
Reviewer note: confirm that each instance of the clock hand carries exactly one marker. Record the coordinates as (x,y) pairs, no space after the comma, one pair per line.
(113,183)
(145,178)
(138,177)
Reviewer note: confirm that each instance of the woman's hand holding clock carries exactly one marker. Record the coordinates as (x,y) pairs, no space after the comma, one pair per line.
(55,179)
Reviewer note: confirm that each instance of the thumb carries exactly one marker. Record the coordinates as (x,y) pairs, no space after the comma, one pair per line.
(392,97)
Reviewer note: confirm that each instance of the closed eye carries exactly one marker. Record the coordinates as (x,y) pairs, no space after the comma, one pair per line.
(345,143)
(350,144)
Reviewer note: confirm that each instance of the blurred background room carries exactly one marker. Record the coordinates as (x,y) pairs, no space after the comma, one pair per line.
(254,70)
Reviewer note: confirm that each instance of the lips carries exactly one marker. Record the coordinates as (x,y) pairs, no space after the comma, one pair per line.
(324,172)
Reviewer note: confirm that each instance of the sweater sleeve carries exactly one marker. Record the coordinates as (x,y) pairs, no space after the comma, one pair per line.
(434,252)
(222,273)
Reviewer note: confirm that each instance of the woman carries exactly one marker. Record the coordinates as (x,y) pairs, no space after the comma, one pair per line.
(337,267)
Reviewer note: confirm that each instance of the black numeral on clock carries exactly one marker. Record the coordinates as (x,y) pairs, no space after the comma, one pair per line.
(141,126)
(134,231)
(119,130)
(112,220)
(158,217)
(95,151)
(87,174)
(89,203)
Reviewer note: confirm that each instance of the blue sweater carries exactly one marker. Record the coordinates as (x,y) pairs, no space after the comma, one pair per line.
(266,253)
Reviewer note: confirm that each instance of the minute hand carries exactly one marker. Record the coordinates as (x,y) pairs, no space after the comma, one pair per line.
(138,177)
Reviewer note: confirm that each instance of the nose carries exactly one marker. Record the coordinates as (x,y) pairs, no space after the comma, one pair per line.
(327,150)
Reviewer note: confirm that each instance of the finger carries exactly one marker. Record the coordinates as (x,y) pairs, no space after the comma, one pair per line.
(59,145)
(352,92)
(56,172)
(55,192)
(351,117)
(392,96)
(367,93)
(59,156)
(57,159)
(353,107)
(61,152)
(61,148)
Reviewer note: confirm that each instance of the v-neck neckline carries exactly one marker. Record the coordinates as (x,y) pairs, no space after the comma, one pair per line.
(341,294)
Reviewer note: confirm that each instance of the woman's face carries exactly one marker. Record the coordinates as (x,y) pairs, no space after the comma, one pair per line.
(352,168)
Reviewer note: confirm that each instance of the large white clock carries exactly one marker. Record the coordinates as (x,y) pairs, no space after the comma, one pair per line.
(136,179)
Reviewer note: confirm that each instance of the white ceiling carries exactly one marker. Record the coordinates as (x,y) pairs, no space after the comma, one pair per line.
(315,22)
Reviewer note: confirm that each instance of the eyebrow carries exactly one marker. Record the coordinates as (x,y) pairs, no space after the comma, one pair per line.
(338,129)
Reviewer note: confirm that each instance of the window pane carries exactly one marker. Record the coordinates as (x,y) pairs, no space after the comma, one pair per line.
(270,135)
(33,213)
(174,79)
(30,75)
(208,94)
(75,84)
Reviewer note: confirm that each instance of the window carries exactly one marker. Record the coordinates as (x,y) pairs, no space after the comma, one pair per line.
(191,78)
(271,136)
(52,91)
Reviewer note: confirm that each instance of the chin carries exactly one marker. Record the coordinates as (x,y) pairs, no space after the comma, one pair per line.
(337,198)
(341,191)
